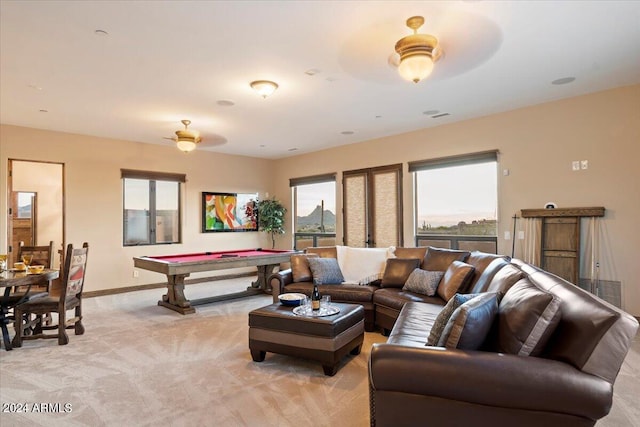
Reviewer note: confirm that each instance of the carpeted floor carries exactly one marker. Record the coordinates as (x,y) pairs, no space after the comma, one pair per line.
(139,364)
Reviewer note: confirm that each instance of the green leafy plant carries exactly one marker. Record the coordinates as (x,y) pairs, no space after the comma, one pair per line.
(271,218)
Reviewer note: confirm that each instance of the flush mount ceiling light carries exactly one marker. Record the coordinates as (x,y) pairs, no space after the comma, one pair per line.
(186,140)
(264,87)
(417,52)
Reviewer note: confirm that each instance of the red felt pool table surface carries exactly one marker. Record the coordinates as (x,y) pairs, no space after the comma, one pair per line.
(209,256)
(178,267)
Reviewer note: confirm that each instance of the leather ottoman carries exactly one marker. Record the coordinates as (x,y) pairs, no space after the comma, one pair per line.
(276,329)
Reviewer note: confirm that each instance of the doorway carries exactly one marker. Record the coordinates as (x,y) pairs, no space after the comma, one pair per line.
(36,215)
(372,200)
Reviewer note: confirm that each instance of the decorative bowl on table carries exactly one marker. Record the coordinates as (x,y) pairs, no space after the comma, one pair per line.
(291,299)
(35,269)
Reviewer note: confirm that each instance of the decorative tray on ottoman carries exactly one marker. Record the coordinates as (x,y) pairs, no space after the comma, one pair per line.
(305,310)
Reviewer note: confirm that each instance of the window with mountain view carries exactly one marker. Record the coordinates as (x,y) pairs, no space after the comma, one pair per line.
(456,199)
(314,207)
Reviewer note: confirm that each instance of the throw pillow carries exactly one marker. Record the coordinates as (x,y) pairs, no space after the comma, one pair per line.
(469,324)
(438,259)
(325,271)
(504,279)
(443,317)
(423,282)
(397,271)
(300,267)
(527,316)
(455,280)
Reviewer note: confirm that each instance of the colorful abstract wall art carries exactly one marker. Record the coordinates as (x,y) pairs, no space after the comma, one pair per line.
(229,212)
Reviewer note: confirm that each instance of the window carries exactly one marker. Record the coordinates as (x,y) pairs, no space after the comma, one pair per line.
(314,210)
(25,204)
(373,206)
(456,201)
(151,207)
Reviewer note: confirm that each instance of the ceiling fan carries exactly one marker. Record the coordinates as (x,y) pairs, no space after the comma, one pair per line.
(185,139)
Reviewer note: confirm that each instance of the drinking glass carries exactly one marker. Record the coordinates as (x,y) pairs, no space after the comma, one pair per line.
(27,259)
(304,303)
(325,301)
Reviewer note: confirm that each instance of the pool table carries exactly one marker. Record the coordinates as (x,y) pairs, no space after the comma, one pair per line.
(178,267)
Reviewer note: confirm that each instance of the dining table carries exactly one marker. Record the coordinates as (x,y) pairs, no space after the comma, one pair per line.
(10,279)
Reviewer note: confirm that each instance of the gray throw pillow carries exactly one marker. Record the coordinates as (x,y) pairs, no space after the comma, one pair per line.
(469,324)
(423,282)
(443,317)
(325,271)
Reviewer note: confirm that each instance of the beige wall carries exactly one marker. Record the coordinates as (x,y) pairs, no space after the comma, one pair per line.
(93,195)
(537,145)
(44,179)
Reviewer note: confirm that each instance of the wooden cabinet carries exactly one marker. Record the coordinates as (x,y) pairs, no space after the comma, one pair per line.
(560,240)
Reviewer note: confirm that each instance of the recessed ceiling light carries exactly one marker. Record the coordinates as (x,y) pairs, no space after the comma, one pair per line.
(100,33)
(563,81)
(225,103)
(292,149)
(430,112)
(312,72)
(347,132)
(378,117)
(43,111)
(262,145)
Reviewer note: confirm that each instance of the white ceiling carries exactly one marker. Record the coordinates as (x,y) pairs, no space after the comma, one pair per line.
(163,61)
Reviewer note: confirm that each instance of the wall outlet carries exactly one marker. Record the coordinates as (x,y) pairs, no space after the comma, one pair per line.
(584,164)
(575,165)
(136,273)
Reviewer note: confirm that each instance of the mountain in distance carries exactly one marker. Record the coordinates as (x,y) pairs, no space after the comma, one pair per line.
(313,219)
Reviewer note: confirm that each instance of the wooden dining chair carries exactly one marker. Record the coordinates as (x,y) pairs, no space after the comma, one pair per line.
(70,298)
(41,255)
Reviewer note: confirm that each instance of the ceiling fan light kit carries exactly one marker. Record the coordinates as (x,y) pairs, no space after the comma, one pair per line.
(264,88)
(418,52)
(187,140)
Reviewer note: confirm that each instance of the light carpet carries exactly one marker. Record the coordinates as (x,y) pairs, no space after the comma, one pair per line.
(139,364)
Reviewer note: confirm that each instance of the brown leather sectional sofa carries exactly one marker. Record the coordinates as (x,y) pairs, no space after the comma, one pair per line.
(382,304)
(550,357)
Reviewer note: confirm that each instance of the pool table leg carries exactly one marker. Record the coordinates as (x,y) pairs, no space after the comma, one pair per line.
(264,271)
(174,298)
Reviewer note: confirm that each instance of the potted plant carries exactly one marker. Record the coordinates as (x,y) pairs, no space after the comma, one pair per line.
(271,218)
